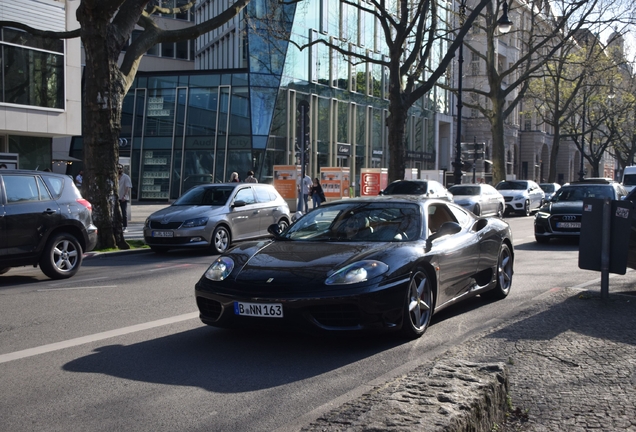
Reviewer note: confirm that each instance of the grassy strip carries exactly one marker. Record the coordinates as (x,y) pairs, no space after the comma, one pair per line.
(134,244)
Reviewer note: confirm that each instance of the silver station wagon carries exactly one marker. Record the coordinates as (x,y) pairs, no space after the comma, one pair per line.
(213,216)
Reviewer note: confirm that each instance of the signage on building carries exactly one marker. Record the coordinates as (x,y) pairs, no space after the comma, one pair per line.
(344,149)
(155,108)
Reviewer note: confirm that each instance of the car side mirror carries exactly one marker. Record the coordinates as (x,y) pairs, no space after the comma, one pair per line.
(447,228)
(238,203)
(381,192)
(274,229)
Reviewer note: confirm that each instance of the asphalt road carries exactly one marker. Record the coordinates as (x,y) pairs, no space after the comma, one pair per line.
(120,347)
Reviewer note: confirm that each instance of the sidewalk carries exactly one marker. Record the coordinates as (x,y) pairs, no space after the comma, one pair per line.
(142,209)
(570,359)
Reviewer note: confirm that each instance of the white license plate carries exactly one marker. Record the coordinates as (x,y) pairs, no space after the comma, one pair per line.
(265,310)
(162,234)
(568,224)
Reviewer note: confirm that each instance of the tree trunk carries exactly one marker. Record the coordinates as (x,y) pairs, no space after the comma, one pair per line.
(102,106)
(396,124)
(498,143)
(554,153)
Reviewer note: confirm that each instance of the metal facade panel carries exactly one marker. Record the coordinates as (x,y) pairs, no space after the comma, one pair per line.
(41,14)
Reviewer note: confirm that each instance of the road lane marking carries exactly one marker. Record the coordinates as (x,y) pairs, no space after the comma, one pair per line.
(76,288)
(77,281)
(4,358)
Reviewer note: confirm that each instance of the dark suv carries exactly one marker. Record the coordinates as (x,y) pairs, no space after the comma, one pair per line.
(561,215)
(43,220)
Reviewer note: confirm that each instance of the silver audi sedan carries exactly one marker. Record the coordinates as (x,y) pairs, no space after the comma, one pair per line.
(213,216)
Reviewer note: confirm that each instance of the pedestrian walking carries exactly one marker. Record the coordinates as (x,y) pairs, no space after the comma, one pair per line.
(317,194)
(250,177)
(125,187)
(303,185)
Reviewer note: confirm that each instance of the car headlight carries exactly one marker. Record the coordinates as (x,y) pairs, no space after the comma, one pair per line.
(518,197)
(542,215)
(195,222)
(147,223)
(357,272)
(220,269)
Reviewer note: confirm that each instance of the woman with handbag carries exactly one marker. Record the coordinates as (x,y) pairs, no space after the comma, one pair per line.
(317,194)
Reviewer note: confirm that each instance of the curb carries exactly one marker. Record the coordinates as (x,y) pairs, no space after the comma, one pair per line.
(97,254)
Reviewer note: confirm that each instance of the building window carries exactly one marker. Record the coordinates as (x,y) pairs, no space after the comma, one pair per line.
(32,70)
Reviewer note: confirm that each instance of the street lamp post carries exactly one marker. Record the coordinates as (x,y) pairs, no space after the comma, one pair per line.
(504,24)
(582,170)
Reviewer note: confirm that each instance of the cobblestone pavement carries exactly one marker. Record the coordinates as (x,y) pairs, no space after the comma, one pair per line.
(570,360)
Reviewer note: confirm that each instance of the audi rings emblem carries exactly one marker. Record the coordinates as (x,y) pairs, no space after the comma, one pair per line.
(569,218)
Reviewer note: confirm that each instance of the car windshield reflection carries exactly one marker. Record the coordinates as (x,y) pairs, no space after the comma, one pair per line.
(210,196)
(578,193)
(369,222)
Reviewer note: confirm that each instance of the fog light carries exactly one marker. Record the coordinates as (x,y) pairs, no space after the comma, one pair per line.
(196,239)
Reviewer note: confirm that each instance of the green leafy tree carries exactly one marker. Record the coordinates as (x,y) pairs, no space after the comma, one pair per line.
(541,31)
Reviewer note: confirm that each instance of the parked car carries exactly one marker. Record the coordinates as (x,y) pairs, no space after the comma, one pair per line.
(423,188)
(629,178)
(43,221)
(359,265)
(549,189)
(631,254)
(522,196)
(561,216)
(481,199)
(213,216)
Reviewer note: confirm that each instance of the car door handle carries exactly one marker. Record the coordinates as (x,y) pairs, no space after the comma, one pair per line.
(50,211)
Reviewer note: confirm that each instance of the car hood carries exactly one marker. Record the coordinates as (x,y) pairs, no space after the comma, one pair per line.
(565,207)
(182,213)
(299,265)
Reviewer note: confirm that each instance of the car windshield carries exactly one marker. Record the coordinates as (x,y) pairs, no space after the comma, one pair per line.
(406,188)
(358,222)
(464,190)
(547,187)
(510,185)
(629,180)
(578,193)
(211,196)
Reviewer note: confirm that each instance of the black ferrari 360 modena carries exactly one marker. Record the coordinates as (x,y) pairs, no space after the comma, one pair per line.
(361,264)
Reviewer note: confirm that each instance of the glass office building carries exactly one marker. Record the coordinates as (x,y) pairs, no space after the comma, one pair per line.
(185,128)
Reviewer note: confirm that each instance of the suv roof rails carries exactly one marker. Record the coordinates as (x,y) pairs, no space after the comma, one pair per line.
(596,180)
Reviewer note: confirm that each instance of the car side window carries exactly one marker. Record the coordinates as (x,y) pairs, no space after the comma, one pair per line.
(21,188)
(262,194)
(44,192)
(246,195)
(460,214)
(55,185)
(437,215)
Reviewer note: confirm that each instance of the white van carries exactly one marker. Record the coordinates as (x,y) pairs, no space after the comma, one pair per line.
(629,178)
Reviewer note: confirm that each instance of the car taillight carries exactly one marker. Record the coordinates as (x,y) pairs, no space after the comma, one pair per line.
(85,203)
